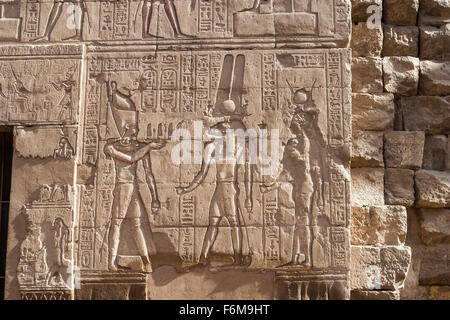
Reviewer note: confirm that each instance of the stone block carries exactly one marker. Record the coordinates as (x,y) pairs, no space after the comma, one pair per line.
(373,112)
(426,113)
(435,78)
(432,189)
(435,152)
(435,226)
(295,24)
(400,41)
(435,268)
(367,149)
(367,75)
(375,295)
(382,268)
(359,9)
(400,12)
(367,187)
(366,42)
(434,12)
(399,187)
(404,149)
(401,75)
(378,226)
(248,24)
(434,43)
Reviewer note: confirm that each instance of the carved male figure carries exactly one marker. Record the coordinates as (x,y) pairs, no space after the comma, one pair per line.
(66,102)
(171,13)
(225,200)
(127,152)
(55,14)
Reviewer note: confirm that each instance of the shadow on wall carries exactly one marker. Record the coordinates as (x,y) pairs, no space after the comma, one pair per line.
(200,283)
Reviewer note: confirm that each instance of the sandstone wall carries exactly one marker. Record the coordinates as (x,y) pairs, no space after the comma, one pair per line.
(63,181)
(401,150)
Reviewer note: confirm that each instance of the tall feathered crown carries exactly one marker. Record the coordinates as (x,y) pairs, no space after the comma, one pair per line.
(123,110)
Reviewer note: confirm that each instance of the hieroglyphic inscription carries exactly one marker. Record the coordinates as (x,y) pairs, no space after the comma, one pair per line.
(271,227)
(269,83)
(187,231)
(213,16)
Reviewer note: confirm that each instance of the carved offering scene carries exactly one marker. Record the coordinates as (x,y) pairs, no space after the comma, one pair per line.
(171,187)
(39,90)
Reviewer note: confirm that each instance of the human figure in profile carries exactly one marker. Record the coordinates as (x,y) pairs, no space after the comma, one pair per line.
(55,14)
(127,152)
(171,13)
(225,200)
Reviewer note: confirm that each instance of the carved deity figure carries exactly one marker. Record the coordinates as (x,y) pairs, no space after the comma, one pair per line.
(303,160)
(225,200)
(296,161)
(65,105)
(127,152)
(171,13)
(302,164)
(55,14)
(64,150)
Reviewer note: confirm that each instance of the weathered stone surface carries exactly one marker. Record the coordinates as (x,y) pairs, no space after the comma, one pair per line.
(202,284)
(400,41)
(435,224)
(40,90)
(365,268)
(432,188)
(395,262)
(435,269)
(375,295)
(447,156)
(434,43)
(399,187)
(367,187)
(434,12)
(138,208)
(379,268)
(400,12)
(435,78)
(401,75)
(440,292)
(367,75)
(367,149)
(189,23)
(426,113)
(379,225)
(360,8)
(46,142)
(373,112)
(404,149)
(366,42)
(435,152)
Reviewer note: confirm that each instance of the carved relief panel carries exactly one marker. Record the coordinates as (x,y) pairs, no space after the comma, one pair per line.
(150,143)
(154,128)
(186,21)
(39,85)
